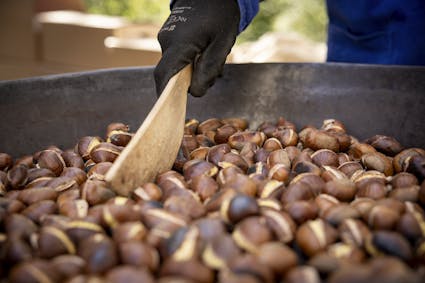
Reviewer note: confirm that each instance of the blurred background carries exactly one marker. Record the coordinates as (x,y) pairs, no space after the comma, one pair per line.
(40,37)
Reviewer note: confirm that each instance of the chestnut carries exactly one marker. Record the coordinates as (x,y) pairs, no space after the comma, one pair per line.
(374,190)
(268,128)
(354,232)
(128,274)
(346,252)
(279,257)
(377,161)
(223,133)
(400,159)
(72,159)
(36,210)
(220,251)
(404,179)
(216,153)
(199,153)
(19,225)
(272,144)
(261,155)
(390,243)
(357,150)
(333,125)
(233,159)
(205,186)
(204,141)
(306,167)
(385,144)
(297,191)
(196,167)
(191,126)
(332,173)
(251,232)
(280,223)
(74,208)
(338,213)
(6,161)
(155,216)
(279,156)
(39,173)
(117,126)
(26,160)
(139,254)
(319,139)
(85,145)
(381,217)
(211,124)
(129,231)
(104,152)
(96,192)
(36,270)
(239,207)
(286,136)
(411,225)
(79,230)
(30,196)
(302,211)
(119,137)
(16,250)
(239,139)
(405,194)
(63,183)
(243,184)
(344,190)
(99,170)
(51,159)
(270,188)
(99,252)
(17,176)
(325,157)
(302,273)
(68,265)
(187,206)
(350,167)
(250,264)
(185,269)
(363,178)
(416,165)
(53,242)
(314,182)
(239,123)
(314,236)
(209,227)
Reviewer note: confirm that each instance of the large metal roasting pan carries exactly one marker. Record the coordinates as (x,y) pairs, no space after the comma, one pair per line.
(369,99)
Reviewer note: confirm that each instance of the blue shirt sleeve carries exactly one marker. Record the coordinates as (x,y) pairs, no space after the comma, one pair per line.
(248,10)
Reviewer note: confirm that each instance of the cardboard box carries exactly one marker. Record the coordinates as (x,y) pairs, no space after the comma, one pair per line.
(17,35)
(76,38)
(132,52)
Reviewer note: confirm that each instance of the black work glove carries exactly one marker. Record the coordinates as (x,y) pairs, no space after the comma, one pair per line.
(201,32)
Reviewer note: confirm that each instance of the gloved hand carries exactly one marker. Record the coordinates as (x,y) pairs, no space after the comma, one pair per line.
(201,32)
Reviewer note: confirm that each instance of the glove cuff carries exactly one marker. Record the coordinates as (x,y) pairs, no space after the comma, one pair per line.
(248,9)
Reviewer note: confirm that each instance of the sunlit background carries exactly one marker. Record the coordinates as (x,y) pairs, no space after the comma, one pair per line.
(42,37)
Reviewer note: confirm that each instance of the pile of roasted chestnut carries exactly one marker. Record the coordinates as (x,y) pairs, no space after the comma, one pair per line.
(241,205)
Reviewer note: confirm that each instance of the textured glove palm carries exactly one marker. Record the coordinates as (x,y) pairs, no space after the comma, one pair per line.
(201,32)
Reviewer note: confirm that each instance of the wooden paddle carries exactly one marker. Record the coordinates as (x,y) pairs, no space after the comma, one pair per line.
(155,145)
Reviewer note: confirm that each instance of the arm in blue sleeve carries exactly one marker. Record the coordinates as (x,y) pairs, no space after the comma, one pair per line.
(248,10)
